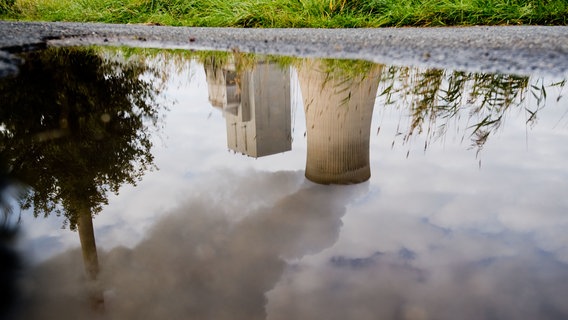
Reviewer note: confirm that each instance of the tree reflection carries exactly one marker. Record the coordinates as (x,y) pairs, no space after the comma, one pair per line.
(74,127)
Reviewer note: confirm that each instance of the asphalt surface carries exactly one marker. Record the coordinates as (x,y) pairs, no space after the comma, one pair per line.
(521,50)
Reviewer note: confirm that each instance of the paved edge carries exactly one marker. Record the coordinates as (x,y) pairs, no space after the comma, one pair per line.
(523,50)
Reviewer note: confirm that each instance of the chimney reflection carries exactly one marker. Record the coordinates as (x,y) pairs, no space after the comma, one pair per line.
(338,104)
(256,106)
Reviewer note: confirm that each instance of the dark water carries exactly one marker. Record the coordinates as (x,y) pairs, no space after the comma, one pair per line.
(229,186)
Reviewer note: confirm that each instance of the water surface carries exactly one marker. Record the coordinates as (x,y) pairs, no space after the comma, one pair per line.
(231,186)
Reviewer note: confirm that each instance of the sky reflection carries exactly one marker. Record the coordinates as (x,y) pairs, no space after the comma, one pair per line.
(220,235)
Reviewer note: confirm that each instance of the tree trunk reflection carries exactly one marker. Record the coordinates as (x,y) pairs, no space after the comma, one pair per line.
(90,258)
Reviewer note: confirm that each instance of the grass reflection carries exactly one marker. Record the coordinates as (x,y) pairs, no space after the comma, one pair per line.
(436,99)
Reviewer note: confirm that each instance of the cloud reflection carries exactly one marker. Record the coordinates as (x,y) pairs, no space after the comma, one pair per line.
(438,255)
(388,286)
(200,262)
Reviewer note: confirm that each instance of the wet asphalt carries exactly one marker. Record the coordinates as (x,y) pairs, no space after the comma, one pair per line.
(523,50)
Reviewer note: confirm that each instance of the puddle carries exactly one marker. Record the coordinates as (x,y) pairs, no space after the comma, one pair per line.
(233,186)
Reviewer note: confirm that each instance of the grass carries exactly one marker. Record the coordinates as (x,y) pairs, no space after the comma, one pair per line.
(293,13)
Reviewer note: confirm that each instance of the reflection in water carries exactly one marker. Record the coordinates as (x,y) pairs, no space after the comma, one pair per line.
(76,131)
(199,263)
(339,107)
(255,103)
(429,238)
(437,100)
(10,264)
(387,286)
(223,86)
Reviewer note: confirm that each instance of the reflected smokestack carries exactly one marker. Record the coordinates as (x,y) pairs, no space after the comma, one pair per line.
(338,106)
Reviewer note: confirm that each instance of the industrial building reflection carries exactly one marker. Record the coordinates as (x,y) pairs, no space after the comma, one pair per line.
(339,107)
(256,106)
